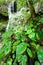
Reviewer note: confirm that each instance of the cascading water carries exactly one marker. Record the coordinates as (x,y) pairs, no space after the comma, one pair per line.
(10,10)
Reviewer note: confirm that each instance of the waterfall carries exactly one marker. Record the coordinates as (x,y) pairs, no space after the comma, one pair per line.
(10,9)
(10,13)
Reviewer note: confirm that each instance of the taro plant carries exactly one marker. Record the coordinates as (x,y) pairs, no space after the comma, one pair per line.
(20,46)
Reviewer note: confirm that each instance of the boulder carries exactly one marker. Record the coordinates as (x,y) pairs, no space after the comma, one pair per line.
(4,7)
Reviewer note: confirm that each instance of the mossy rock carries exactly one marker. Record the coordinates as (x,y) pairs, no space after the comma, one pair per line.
(3,24)
(5,1)
(4,10)
(4,6)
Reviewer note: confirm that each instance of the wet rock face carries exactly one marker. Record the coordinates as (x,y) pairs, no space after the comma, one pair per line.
(3,24)
(39,7)
(4,7)
(4,10)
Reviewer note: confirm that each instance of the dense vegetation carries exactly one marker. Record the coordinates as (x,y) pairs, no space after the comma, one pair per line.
(22,45)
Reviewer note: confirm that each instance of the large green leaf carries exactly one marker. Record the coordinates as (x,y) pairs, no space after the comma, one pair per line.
(35,46)
(24,60)
(15,45)
(7,34)
(9,62)
(21,48)
(40,55)
(23,38)
(39,34)
(29,52)
(37,63)
(41,20)
(14,63)
(29,31)
(32,36)
(5,49)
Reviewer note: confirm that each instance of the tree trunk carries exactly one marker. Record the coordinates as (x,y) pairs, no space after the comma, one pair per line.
(31,7)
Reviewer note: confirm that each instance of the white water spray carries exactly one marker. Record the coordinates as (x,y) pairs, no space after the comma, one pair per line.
(10,13)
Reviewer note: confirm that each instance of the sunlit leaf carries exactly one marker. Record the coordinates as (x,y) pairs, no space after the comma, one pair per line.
(24,60)
(37,63)
(32,36)
(40,55)
(5,50)
(21,48)
(29,52)
(9,62)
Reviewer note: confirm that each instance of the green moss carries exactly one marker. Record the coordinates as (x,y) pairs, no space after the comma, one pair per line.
(5,1)
(3,24)
(4,13)
(4,6)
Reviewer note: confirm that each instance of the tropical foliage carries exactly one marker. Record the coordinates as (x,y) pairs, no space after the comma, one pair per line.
(22,45)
